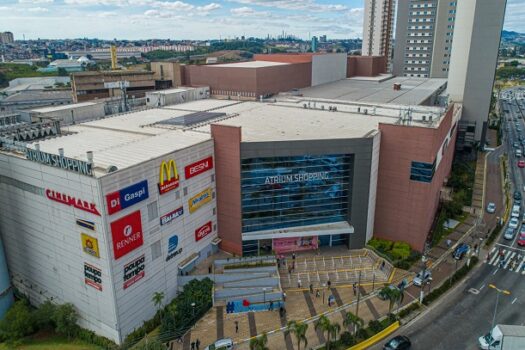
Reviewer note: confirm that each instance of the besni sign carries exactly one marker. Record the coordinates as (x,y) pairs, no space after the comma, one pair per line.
(127,234)
(173,243)
(169,177)
(126,197)
(134,271)
(93,276)
(72,201)
(203,231)
(172,215)
(199,167)
(90,245)
(199,200)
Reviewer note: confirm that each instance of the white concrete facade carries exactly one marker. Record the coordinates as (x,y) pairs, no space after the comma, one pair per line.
(46,254)
(328,68)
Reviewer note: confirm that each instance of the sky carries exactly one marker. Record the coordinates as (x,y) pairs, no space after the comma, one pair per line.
(194,19)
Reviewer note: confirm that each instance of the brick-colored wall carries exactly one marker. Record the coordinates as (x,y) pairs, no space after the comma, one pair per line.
(405,209)
(365,66)
(285,57)
(271,80)
(227,141)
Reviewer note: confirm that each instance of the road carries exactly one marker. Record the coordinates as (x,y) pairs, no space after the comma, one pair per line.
(466,313)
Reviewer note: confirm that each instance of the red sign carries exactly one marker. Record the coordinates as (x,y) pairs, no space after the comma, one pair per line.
(203,231)
(72,201)
(199,167)
(171,181)
(295,244)
(127,234)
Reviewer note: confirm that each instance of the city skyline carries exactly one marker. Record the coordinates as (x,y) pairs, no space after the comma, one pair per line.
(197,19)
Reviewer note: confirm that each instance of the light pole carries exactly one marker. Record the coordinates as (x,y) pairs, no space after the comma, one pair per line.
(500,291)
(324,285)
(424,262)
(193,310)
(264,295)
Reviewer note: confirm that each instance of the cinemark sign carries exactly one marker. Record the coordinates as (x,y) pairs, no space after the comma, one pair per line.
(171,181)
(203,231)
(72,201)
(199,167)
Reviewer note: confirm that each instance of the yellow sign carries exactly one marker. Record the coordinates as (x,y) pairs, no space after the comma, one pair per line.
(89,245)
(199,200)
(171,182)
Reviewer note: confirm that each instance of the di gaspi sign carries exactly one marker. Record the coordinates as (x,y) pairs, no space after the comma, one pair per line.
(168,177)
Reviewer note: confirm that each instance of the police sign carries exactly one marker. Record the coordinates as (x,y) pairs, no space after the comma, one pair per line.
(126,197)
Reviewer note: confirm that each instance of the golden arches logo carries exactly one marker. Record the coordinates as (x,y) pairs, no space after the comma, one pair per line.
(168,177)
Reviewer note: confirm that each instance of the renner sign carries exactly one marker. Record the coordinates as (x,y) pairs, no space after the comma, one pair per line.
(72,201)
(203,231)
(127,234)
(126,197)
(199,167)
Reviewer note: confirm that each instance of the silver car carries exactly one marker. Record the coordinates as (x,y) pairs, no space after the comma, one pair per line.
(491,208)
(509,233)
(422,278)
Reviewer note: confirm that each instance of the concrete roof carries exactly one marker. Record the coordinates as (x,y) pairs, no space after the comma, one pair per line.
(37,95)
(414,91)
(63,107)
(250,64)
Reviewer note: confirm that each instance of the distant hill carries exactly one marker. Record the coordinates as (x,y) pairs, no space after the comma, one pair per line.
(511,36)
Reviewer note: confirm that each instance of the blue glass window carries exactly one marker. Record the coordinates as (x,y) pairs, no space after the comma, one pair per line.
(280,192)
(422,172)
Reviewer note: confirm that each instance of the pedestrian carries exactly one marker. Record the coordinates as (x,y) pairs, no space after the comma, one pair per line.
(271,305)
(281,312)
(236,326)
(284,296)
(293,265)
(382,265)
(209,269)
(299,284)
(329,284)
(289,270)
(293,257)
(449,243)
(311,288)
(354,287)
(192,345)
(317,293)
(197,344)
(488,256)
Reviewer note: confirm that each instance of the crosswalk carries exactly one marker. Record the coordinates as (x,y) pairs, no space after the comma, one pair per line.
(513,260)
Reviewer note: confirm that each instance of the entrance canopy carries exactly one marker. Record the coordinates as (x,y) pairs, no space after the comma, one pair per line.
(335,228)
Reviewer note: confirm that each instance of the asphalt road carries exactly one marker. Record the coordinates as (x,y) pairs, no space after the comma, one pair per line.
(466,312)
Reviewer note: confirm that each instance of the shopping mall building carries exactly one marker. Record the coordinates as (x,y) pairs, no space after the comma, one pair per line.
(105,213)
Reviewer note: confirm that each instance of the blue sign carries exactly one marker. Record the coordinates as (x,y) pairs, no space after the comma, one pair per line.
(172,215)
(126,197)
(173,243)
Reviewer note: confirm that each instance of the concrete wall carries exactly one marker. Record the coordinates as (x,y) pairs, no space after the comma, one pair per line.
(400,37)
(442,42)
(365,66)
(405,208)
(172,71)
(271,80)
(6,292)
(227,81)
(328,68)
(285,57)
(72,114)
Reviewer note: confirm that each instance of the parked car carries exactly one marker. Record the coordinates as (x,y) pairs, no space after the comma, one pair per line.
(509,233)
(460,251)
(491,207)
(513,223)
(521,239)
(381,295)
(516,145)
(422,278)
(521,163)
(221,344)
(398,343)
(517,195)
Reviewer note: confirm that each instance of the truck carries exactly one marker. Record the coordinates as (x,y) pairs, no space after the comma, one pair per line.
(503,337)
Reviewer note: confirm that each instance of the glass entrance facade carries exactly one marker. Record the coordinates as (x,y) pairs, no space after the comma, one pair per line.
(281,192)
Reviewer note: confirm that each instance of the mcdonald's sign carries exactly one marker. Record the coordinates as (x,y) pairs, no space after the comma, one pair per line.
(169,176)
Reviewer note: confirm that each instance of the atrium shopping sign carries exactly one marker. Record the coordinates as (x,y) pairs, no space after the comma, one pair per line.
(294,178)
(58,161)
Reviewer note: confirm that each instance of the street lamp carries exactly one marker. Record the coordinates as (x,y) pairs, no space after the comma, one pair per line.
(500,291)
(193,309)
(264,295)
(324,285)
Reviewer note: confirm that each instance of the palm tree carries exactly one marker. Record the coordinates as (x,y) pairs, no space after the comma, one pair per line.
(331,329)
(157,299)
(299,330)
(393,295)
(353,320)
(259,343)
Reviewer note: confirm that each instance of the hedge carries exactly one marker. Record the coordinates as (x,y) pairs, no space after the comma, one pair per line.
(398,253)
(493,235)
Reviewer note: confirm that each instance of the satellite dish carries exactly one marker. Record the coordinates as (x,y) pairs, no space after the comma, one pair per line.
(111,169)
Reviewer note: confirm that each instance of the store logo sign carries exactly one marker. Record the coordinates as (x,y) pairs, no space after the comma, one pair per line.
(93,276)
(169,177)
(166,219)
(126,197)
(127,234)
(199,200)
(203,231)
(134,271)
(199,167)
(90,225)
(90,245)
(173,243)
(72,201)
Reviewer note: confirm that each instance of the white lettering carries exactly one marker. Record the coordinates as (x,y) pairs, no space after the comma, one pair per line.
(302,177)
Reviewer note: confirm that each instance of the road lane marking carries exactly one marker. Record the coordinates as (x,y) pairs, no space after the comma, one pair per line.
(508,260)
(495,271)
(481,288)
(493,260)
(473,291)
(514,300)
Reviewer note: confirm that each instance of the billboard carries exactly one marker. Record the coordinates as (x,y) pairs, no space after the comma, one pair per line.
(90,225)
(93,276)
(127,234)
(172,215)
(199,167)
(203,231)
(126,197)
(134,271)
(90,245)
(199,200)
(173,243)
(72,201)
(168,177)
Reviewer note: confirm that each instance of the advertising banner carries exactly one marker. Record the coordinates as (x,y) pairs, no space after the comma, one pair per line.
(93,276)
(168,177)
(89,245)
(58,161)
(173,243)
(294,244)
(203,231)
(90,225)
(126,197)
(199,200)
(127,234)
(199,167)
(172,215)
(134,271)
(72,201)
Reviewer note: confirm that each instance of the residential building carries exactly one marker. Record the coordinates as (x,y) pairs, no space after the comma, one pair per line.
(423,40)
(6,38)
(378,27)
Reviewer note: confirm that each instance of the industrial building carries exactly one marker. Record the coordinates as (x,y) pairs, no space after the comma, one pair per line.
(67,114)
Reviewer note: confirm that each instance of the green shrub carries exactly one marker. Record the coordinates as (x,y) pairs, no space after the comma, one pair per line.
(43,316)
(400,251)
(408,310)
(347,339)
(375,326)
(381,245)
(18,322)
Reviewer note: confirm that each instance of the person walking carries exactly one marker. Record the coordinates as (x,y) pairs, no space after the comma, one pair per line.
(311,288)
(382,265)
(198,344)
(284,296)
(293,256)
(192,345)
(354,287)
(236,326)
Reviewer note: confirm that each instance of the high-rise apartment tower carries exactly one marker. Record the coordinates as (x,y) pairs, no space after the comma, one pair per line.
(378,28)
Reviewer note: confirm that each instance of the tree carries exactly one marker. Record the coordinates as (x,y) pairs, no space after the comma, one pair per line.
(151,344)
(157,299)
(18,322)
(393,295)
(353,320)
(259,343)
(331,329)
(65,319)
(299,330)
(44,314)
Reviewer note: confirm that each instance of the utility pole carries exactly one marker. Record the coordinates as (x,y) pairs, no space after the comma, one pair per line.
(499,291)
(358,294)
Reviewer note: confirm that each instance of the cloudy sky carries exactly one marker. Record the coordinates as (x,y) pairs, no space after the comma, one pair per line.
(194,19)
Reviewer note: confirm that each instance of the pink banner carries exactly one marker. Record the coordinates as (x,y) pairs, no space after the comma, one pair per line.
(294,244)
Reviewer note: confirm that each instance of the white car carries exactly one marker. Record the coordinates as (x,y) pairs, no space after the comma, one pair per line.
(513,223)
(221,344)
(421,278)
(491,208)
